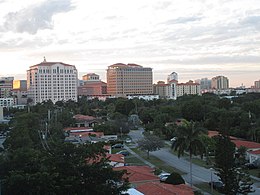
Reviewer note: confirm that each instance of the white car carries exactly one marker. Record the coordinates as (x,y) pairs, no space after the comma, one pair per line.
(128,140)
(164,176)
(173,139)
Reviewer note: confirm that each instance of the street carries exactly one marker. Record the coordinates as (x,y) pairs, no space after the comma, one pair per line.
(199,174)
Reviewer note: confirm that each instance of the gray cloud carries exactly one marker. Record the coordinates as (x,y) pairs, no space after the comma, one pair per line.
(253,21)
(36,17)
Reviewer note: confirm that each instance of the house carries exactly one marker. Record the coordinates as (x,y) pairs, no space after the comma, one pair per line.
(253,149)
(115,160)
(85,120)
(143,178)
(157,188)
(138,174)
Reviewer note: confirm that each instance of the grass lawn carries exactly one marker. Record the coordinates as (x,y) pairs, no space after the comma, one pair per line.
(115,150)
(131,160)
(254,172)
(201,163)
(205,187)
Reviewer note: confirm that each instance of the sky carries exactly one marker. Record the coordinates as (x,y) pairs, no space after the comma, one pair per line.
(195,38)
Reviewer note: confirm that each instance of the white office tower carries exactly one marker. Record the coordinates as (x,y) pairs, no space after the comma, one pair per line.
(53,81)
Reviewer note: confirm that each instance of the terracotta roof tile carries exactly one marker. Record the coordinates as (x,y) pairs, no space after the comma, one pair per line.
(138,173)
(80,117)
(254,152)
(247,144)
(157,188)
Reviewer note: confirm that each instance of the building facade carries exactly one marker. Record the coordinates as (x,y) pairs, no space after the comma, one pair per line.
(172,76)
(92,86)
(189,88)
(257,84)
(128,79)
(53,81)
(219,82)
(205,83)
(6,86)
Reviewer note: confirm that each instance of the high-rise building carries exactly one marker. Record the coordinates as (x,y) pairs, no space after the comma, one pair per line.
(6,86)
(257,84)
(20,91)
(205,83)
(129,79)
(162,89)
(91,77)
(219,82)
(53,81)
(172,77)
(92,85)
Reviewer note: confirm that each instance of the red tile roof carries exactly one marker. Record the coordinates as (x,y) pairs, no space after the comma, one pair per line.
(257,152)
(138,173)
(215,133)
(116,158)
(156,188)
(80,117)
(247,144)
(111,157)
(50,64)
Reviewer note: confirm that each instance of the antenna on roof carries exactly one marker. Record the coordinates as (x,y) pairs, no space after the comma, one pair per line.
(44,59)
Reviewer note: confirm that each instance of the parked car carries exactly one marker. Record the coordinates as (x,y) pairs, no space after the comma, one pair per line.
(164,176)
(251,166)
(128,140)
(117,146)
(173,139)
(217,185)
(123,152)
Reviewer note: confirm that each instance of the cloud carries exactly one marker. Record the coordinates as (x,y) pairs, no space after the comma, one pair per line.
(252,21)
(182,20)
(36,17)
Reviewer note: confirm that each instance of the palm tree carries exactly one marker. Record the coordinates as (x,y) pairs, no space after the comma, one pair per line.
(188,139)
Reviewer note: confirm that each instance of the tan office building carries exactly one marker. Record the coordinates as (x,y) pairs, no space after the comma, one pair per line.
(128,79)
(219,82)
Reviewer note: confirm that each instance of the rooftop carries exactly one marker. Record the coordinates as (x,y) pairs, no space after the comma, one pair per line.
(137,174)
(164,189)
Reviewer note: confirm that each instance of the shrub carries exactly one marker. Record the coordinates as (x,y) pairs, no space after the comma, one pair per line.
(175,179)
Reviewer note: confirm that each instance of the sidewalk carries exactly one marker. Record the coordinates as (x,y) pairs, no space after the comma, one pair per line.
(153,166)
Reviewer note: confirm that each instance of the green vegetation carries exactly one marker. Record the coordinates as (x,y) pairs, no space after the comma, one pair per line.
(206,188)
(34,155)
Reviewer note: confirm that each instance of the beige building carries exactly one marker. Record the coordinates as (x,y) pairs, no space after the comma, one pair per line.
(128,79)
(219,82)
(189,88)
(53,81)
(92,86)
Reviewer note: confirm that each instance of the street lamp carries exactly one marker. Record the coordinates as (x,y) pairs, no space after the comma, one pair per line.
(211,179)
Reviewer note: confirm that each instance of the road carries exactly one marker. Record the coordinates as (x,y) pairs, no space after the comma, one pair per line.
(1,142)
(199,174)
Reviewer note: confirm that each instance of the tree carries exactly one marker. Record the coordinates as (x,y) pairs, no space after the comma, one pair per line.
(175,179)
(225,164)
(188,139)
(230,167)
(150,143)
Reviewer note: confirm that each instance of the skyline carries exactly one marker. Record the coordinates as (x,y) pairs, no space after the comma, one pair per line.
(197,39)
